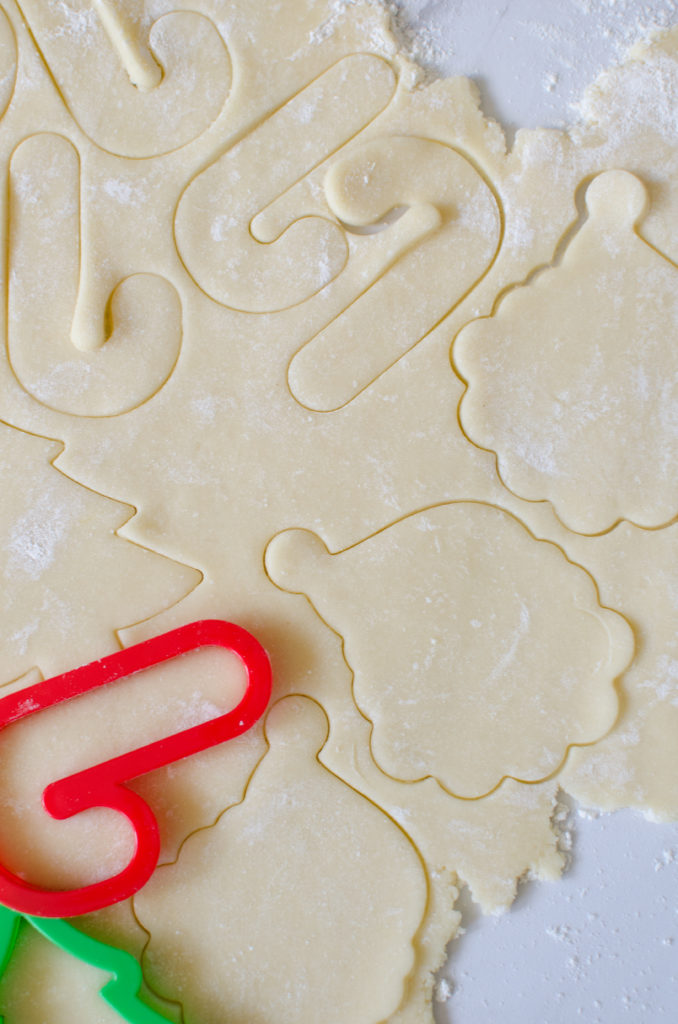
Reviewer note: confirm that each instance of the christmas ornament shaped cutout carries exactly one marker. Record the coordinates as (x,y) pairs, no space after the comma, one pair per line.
(457,625)
(573,381)
(321,894)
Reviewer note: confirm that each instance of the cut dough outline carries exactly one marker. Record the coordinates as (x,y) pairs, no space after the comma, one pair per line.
(26,22)
(81,300)
(558,253)
(292,695)
(245,133)
(392,263)
(615,682)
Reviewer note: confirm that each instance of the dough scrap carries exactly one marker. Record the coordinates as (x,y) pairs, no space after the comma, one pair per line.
(573,381)
(457,626)
(304,863)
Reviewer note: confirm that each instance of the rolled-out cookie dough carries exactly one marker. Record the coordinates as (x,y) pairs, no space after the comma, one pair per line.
(227,447)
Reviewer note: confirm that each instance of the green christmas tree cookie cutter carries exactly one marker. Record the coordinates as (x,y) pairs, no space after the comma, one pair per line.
(121,992)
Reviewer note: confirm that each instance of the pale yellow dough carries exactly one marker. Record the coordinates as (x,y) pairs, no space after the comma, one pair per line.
(215,317)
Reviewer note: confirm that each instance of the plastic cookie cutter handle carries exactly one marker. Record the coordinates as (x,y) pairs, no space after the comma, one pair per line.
(103,784)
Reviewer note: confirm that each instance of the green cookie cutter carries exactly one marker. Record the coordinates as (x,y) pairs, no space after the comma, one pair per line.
(121,992)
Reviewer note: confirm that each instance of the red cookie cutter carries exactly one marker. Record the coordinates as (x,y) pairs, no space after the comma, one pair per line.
(103,784)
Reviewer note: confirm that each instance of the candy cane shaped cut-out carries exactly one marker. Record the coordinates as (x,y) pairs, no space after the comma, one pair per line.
(137,87)
(449,237)
(228,254)
(121,992)
(51,313)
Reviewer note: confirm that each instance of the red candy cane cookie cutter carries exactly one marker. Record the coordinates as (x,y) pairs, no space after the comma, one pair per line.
(103,785)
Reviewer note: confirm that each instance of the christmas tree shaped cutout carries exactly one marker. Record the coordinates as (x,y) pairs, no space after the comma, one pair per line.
(69,577)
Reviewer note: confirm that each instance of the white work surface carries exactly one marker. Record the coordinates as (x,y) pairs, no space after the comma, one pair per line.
(601,945)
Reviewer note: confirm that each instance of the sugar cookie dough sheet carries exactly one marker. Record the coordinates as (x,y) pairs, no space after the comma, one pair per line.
(244,297)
